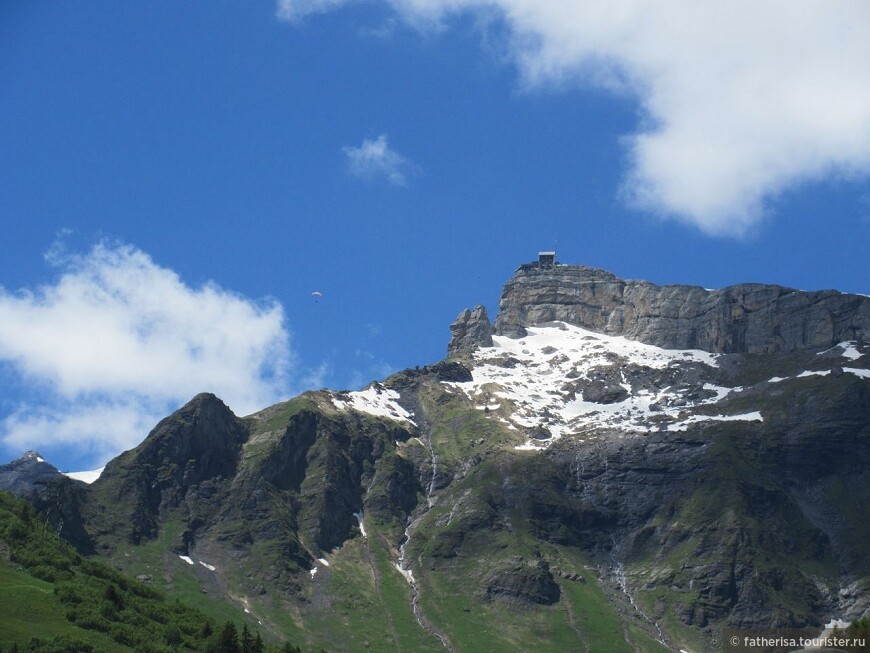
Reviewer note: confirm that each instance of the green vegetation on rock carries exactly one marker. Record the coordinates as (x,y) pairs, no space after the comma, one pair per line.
(54,599)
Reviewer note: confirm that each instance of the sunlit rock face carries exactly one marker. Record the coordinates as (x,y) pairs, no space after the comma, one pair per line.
(746,318)
(470,330)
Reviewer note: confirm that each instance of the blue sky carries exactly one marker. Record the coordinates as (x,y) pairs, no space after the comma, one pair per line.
(177,178)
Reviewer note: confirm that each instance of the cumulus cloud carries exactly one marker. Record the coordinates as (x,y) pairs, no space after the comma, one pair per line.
(96,429)
(740,100)
(118,341)
(375,159)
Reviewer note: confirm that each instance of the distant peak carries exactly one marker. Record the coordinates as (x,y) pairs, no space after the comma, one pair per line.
(32,456)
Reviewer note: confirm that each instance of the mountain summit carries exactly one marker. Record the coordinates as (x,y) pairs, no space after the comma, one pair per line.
(611,461)
(746,318)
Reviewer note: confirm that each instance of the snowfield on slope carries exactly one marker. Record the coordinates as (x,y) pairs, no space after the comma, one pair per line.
(86,477)
(537,384)
(561,380)
(374,400)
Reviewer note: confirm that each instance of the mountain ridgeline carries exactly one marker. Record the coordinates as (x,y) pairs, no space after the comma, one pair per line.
(613,465)
(743,319)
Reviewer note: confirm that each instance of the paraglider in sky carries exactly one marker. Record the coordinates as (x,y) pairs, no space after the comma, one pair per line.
(317,295)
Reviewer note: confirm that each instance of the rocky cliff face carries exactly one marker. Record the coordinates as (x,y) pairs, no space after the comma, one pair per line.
(747,318)
(470,330)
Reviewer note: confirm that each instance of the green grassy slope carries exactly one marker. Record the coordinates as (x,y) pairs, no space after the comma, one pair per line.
(53,599)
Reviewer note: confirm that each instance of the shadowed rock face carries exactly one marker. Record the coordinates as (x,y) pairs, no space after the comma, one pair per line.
(747,318)
(522,582)
(51,493)
(195,449)
(27,475)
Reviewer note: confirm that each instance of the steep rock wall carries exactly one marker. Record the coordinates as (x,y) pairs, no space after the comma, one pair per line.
(746,318)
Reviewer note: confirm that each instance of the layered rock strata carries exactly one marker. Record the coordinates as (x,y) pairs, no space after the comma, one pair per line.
(746,318)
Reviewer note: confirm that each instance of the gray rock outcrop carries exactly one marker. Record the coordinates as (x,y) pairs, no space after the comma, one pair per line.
(520,582)
(470,330)
(746,318)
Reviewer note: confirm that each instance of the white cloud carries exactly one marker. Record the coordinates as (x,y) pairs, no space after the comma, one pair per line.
(118,341)
(97,428)
(319,376)
(741,99)
(375,159)
(296,9)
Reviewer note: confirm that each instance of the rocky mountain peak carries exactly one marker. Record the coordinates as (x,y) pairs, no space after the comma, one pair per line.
(30,458)
(470,330)
(745,318)
(196,446)
(26,473)
(204,431)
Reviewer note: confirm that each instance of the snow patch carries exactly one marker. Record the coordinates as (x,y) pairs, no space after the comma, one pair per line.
(313,571)
(721,392)
(206,565)
(186,559)
(539,381)
(807,373)
(857,371)
(375,400)
(86,477)
(323,561)
(754,416)
(850,350)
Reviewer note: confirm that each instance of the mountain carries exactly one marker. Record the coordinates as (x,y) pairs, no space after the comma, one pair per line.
(54,601)
(52,493)
(610,465)
(27,475)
